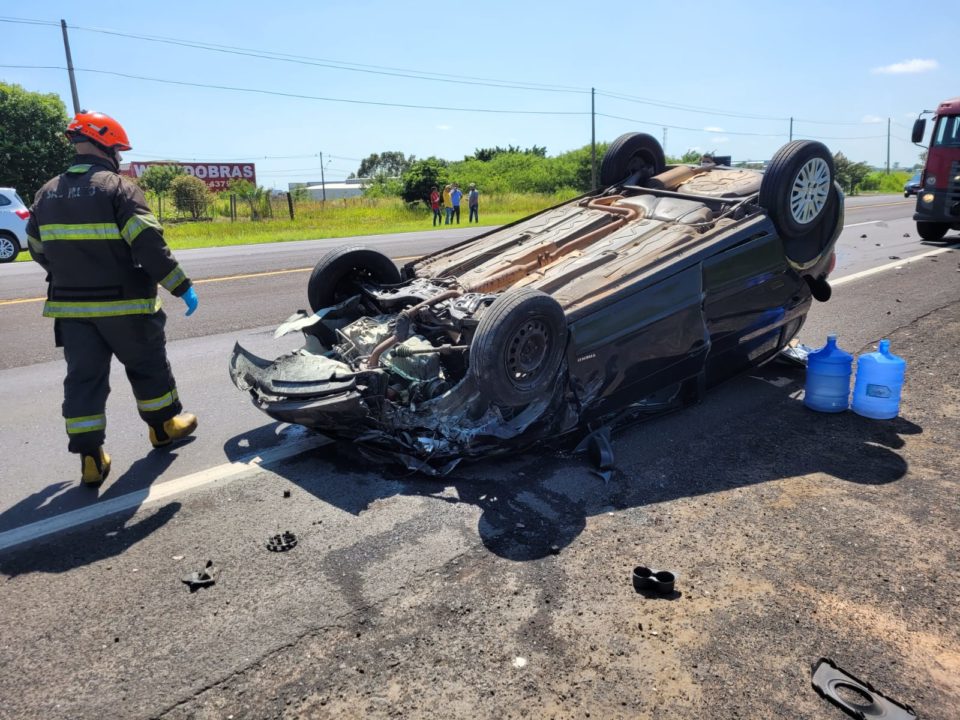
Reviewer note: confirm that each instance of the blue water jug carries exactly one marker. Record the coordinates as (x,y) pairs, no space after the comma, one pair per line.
(876,393)
(827,388)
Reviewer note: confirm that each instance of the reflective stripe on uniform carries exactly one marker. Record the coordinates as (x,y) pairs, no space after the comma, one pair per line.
(165,400)
(87,423)
(102,308)
(79,168)
(137,224)
(35,245)
(175,277)
(80,231)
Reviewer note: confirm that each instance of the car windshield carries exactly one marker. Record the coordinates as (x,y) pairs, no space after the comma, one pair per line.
(948,131)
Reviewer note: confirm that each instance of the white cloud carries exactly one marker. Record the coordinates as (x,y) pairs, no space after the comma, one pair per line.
(872,119)
(444,128)
(907,66)
(712,128)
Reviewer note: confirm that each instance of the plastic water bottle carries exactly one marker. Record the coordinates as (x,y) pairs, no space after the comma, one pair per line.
(876,393)
(827,388)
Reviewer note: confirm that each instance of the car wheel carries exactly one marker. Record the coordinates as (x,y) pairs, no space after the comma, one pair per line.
(338,274)
(796,187)
(518,347)
(631,153)
(9,247)
(932,231)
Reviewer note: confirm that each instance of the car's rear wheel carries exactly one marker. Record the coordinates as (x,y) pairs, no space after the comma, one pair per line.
(9,247)
(932,231)
(518,347)
(338,274)
(797,187)
(629,154)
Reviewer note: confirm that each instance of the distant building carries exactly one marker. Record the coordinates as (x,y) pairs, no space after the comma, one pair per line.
(352,187)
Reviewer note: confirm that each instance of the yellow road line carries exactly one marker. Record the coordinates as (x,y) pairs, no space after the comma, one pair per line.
(203,281)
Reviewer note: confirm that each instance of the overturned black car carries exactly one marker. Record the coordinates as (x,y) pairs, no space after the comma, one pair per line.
(618,304)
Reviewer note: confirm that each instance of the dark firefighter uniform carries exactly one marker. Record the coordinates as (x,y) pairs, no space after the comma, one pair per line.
(104,253)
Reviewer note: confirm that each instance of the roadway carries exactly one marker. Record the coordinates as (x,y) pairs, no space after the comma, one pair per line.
(245,291)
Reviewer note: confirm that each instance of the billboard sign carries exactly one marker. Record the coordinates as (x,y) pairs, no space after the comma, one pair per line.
(216,175)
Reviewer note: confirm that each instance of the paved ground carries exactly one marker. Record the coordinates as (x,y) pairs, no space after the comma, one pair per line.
(504,591)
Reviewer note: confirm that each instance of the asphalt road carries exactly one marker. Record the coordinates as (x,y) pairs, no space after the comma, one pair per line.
(503,590)
(245,292)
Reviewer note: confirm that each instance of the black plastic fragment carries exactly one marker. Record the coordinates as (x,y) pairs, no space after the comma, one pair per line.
(283,542)
(599,447)
(286,493)
(828,678)
(658,581)
(200,578)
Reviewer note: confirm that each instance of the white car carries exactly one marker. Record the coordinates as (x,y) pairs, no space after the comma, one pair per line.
(13,224)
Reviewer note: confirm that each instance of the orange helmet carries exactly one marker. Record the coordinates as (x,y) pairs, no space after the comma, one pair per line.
(98,128)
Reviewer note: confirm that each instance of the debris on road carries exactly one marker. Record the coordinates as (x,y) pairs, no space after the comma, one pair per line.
(283,542)
(658,581)
(599,447)
(286,493)
(828,679)
(894,257)
(795,354)
(200,578)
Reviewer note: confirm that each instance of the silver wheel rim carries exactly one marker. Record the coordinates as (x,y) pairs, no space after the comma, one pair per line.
(6,248)
(810,190)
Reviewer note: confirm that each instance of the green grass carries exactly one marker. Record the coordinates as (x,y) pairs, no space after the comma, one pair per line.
(336,219)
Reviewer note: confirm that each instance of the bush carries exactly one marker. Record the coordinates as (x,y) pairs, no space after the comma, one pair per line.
(190,195)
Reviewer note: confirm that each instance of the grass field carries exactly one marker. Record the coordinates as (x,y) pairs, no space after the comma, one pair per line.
(341,218)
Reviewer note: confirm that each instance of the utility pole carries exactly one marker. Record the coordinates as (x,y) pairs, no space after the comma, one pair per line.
(664,141)
(888,146)
(73,79)
(791,129)
(593,140)
(323,181)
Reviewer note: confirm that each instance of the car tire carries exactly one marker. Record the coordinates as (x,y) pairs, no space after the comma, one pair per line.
(796,190)
(518,347)
(9,248)
(932,231)
(628,154)
(337,275)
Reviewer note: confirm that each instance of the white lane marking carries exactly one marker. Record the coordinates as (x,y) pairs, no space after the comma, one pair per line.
(219,474)
(888,266)
(868,222)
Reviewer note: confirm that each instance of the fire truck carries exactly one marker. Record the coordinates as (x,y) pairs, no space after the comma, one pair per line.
(938,200)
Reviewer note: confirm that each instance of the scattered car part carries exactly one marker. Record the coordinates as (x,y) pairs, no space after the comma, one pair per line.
(658,581)
(827,679)
(200,578)
(282,542)
(599,447)
(795,354)
(286,493)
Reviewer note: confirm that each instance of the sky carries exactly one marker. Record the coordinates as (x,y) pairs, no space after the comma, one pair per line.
(443,79)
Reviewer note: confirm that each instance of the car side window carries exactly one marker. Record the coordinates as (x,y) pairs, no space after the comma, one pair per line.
(4,200)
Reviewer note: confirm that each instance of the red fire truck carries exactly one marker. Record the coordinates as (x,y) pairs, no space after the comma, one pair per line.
(938,200)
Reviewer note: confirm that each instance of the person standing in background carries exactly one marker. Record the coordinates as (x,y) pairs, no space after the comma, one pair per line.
(473,200)
(455,195)
(435,206)
(447,206)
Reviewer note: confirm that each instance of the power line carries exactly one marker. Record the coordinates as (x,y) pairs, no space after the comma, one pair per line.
(278,93)
(321,62)
(687,108)
(679,127)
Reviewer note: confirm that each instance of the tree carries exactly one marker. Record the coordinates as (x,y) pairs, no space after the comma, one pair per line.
(389,164)
(190,194)
(488,154)
(246,190)
(33,147)
(848,173)
(158,179)
(423,175)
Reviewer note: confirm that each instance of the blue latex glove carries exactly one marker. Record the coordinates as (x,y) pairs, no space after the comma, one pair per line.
(191,299)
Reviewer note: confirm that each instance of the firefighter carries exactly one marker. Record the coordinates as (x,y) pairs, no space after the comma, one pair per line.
(104,253)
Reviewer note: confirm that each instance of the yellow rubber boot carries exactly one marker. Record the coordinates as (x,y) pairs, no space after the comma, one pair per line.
(176,428)
(95,468)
